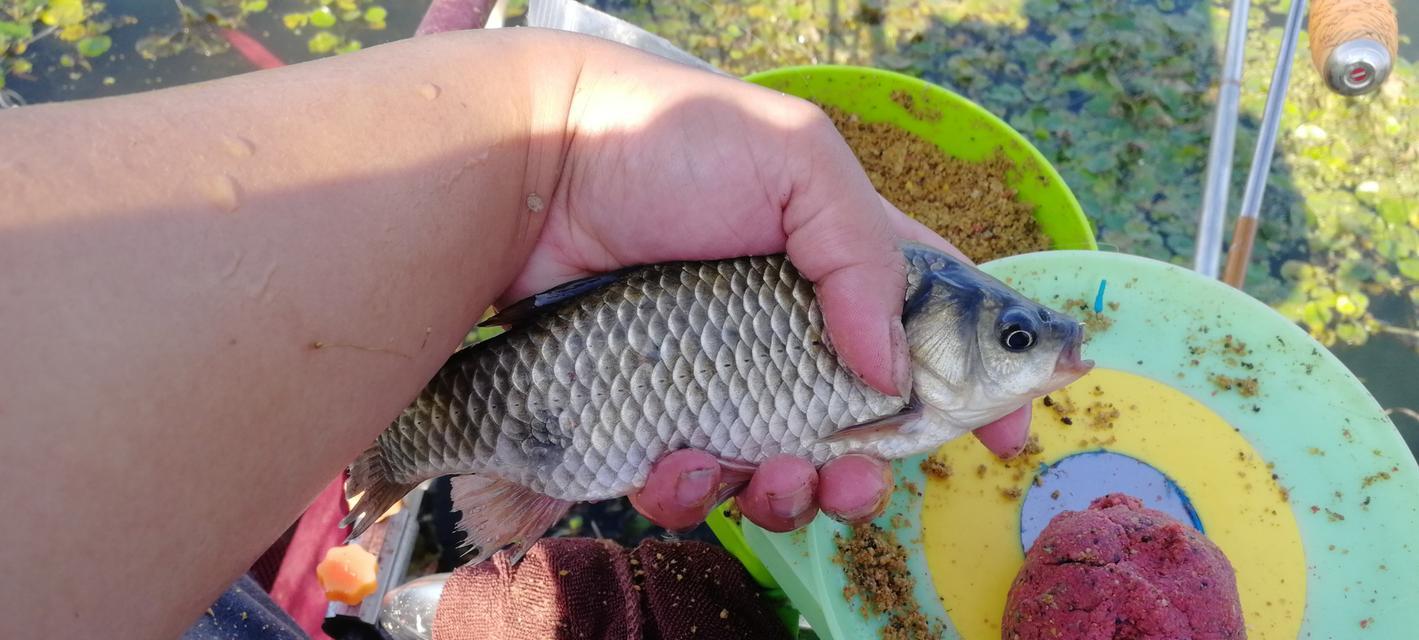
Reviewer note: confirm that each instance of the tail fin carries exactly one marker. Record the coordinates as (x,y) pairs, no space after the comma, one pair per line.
(369,480)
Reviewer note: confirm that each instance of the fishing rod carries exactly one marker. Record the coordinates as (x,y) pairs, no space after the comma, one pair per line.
(1353,47)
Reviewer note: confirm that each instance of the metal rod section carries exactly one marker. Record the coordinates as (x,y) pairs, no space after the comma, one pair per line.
(1224,136)
(1240,254)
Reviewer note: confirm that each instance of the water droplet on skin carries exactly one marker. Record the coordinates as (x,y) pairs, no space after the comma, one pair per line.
(429,91)
(223,192)
(238,146)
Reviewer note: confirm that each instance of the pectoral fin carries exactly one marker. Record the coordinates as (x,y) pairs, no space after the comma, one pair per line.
(498,513)
(884,427)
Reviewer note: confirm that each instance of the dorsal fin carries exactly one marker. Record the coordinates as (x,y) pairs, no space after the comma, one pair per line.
(532,306)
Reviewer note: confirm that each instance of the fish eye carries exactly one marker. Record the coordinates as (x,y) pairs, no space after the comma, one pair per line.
(1017,331)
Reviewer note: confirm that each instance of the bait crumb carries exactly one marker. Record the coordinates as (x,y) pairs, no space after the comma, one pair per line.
(243,614)
(1011,493)
(1372,479)
(723,614)
(1234,345)
(934,468)
(1094,322)
(875,564)
(1054,495)
(906,101)
(563,572)
(1063,407)
(980,471)
(732,512)
(1366,623)
(1101,415)
(534,203)
(1247,387)
(968,203)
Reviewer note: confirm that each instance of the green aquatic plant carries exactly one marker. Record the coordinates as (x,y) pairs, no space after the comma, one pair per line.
(197,26)
(336,23)
(73,30)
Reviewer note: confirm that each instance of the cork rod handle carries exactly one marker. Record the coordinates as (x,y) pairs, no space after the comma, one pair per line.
(1341,23)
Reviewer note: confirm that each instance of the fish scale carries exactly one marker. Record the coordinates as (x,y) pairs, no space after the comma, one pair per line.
(597,379)
(725,356)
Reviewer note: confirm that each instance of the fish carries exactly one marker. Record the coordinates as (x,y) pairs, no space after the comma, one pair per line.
(594,380)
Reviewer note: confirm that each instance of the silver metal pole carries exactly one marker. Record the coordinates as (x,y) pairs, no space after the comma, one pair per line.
(1271,117)
(1244,234)
(1208,256)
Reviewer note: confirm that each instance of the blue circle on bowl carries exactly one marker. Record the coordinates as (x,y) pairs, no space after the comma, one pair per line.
(1076,480)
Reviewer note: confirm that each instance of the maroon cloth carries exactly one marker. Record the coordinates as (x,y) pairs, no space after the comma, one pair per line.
(585,589)
(454,15)
(266,568)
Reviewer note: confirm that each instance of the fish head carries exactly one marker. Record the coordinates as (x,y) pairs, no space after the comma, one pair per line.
(980,349)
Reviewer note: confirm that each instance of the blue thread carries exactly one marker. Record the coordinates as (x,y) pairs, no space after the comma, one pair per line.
(1099,299)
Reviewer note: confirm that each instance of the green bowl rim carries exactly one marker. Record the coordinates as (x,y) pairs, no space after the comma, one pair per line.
(1075,210)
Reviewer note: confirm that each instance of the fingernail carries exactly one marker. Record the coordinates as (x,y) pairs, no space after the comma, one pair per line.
(901,359)
(871,509)
(692,487)
(867,510)
(793,504)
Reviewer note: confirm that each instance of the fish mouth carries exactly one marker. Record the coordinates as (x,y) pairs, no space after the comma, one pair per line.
(1070,361)
(1071,365)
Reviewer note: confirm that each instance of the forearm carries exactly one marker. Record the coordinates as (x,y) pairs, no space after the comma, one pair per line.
(214,296)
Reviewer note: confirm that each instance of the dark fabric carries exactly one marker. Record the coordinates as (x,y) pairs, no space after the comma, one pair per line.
(245,612)
(584,589)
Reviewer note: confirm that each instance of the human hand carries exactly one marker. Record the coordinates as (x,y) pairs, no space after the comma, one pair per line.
(661,162)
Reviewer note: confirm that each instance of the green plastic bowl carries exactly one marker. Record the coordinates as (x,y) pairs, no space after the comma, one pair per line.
(961,129)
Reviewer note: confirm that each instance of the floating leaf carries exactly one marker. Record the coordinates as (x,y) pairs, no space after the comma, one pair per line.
(62,13)
(323,42)
(94,46)
(16,30)
(253,6)
(1393,210)
(20,66)
(322,18)
(347,5)
(1409,267)
(72,32)
(295,21)
(66,60)
(376,14)
(349,46)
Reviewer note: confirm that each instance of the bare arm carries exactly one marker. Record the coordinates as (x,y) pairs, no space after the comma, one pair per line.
(212,297)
